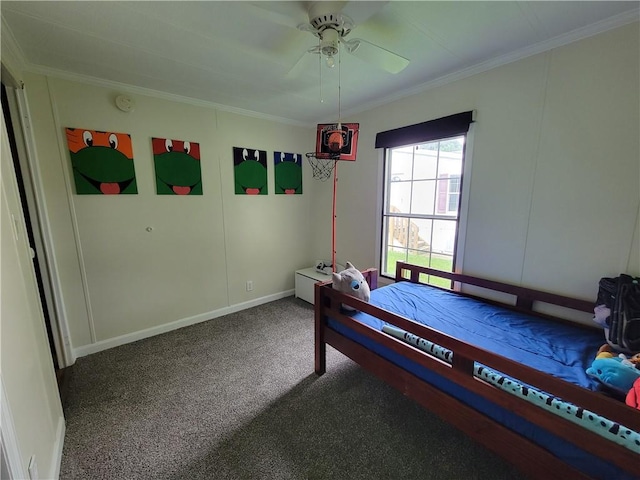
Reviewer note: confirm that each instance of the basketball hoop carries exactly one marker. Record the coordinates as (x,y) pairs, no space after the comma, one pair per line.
(322,166)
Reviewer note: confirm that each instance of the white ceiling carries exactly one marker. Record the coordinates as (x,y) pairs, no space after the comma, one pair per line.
(249,56)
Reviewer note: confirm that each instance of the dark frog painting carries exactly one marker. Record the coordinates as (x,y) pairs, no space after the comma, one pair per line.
(288,173)
(250,171)
(177,164)
(102,162)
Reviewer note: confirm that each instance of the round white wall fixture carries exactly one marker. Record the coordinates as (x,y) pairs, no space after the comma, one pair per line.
(125,103)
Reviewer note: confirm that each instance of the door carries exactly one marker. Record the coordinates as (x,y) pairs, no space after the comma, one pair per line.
(17,139)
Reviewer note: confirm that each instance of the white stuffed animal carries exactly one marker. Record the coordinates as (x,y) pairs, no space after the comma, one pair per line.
(351,282)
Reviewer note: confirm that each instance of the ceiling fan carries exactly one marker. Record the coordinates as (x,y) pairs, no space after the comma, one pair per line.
(332,27)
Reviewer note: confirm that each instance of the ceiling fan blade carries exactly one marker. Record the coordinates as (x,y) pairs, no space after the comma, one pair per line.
(287,14)
(306,27)
(361,11)
(375,55)
(302,64)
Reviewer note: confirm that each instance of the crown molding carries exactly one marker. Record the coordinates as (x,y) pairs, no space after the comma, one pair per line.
(575,35)
(133,89)
(582,33)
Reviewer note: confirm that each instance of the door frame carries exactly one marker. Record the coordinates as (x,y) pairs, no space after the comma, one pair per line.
(36,213)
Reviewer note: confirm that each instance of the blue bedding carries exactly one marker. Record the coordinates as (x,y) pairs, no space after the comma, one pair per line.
(561,350)
(564,351)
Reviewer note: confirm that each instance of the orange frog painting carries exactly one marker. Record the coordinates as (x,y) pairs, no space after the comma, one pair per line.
(102,162)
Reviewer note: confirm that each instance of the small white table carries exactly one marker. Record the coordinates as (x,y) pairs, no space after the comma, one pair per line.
(305,280)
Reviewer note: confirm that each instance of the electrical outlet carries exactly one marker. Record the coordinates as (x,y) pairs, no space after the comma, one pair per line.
(249,285)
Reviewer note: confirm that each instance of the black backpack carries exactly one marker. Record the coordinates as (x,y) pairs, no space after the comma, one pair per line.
(622,296)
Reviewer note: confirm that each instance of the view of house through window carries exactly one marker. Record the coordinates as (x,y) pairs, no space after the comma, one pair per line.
(422,203)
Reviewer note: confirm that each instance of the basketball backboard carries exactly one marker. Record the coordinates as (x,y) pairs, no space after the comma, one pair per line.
(349,132)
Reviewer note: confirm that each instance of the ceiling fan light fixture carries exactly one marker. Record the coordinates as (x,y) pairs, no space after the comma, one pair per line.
(331,62)
(331,28)
(329,42)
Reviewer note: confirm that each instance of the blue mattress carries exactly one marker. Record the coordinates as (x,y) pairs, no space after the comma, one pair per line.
(564,351)
(561,350)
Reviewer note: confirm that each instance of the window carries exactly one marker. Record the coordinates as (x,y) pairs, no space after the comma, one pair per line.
(421,203)
(454,194)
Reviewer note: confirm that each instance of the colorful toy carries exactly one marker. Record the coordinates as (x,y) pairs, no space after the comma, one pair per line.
(614,373)
(351,282)
(632,361)
(605,351)
(633,397)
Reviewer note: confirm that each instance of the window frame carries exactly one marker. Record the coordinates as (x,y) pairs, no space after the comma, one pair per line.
(387,215)
(439,129)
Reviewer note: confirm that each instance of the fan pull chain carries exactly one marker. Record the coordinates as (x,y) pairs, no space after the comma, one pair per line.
(320,69)
(339,86)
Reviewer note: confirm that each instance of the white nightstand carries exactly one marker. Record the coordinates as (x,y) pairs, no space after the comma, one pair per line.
(305,280)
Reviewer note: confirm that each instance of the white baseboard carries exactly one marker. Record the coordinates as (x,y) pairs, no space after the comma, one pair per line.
(57,450)
(167,327)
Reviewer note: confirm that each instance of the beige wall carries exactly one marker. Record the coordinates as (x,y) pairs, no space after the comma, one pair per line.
(27,377)
(119,279)
(554,187)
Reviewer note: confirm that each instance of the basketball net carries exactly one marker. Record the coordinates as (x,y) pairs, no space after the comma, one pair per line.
(322,167)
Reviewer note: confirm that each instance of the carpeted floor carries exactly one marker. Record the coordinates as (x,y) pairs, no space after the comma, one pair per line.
(236,398)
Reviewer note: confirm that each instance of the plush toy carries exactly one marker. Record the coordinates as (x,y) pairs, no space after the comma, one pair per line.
(605,351)
(633,397)
(614,373)
(351,282)
(632,361)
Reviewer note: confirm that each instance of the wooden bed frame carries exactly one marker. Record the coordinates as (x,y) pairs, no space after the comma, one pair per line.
(532,459)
